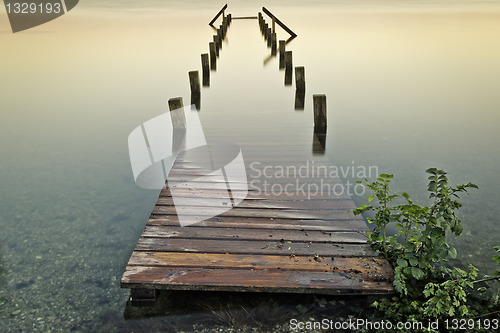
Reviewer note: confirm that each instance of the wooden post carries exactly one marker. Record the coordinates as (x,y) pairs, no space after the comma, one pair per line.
(223,33)
(273,43)
(194,81)
(300,78)
(221,38)
(264,32)
(229,19)
(288,60)
(224,25)
(319,102)
(269,37)
(217,46)
(274,24)
(178,118)
(282,53)
(288,68)
(205,69)
(213,56)
(288,76)
(142,296)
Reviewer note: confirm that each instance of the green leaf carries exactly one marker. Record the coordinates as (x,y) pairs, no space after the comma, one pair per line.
(371,197)
(452,252)
(432,170)
(432,186)
(413,261)
(417,273)
(402,262)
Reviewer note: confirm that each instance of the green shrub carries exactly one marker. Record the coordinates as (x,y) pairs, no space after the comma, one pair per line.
(419,250)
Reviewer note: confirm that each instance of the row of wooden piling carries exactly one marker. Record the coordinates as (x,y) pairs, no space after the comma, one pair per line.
(208,62)
(216,45)
(286,63)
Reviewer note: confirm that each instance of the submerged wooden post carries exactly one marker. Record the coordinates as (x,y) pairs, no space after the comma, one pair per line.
(223,32)
(269,33)
(288,68)
(288,59)
(205,63)
(273,43)
(205,69)
(300,78)
(213,56)
(140,296)
(229,19)
(194,81)
(282,53)
(319,102)
(264,32)
(178,118)
(217,46)
(221,38)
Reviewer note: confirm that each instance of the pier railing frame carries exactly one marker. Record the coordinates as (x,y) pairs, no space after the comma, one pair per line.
(221,12)
(275,20)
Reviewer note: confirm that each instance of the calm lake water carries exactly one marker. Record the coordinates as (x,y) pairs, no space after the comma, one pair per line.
(410,85)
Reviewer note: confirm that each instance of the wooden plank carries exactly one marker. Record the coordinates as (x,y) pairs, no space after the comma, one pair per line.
(208,186)
(253,181)
(342,204)
(254,195)
(254,247)
(369,268)
(325,214)
(245,18)
(260,223)
(250,280)
(252,234)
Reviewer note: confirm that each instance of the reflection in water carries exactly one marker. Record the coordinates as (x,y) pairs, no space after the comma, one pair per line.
(196,99)
(183,309)
(319,141)
(300,96)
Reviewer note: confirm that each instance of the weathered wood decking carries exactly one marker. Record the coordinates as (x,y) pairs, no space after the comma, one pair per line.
(270,242)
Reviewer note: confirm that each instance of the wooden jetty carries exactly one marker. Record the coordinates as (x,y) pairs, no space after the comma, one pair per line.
(293,235)
(293,242)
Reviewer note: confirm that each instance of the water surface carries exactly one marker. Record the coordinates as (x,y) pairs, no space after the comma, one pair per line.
(409,86)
